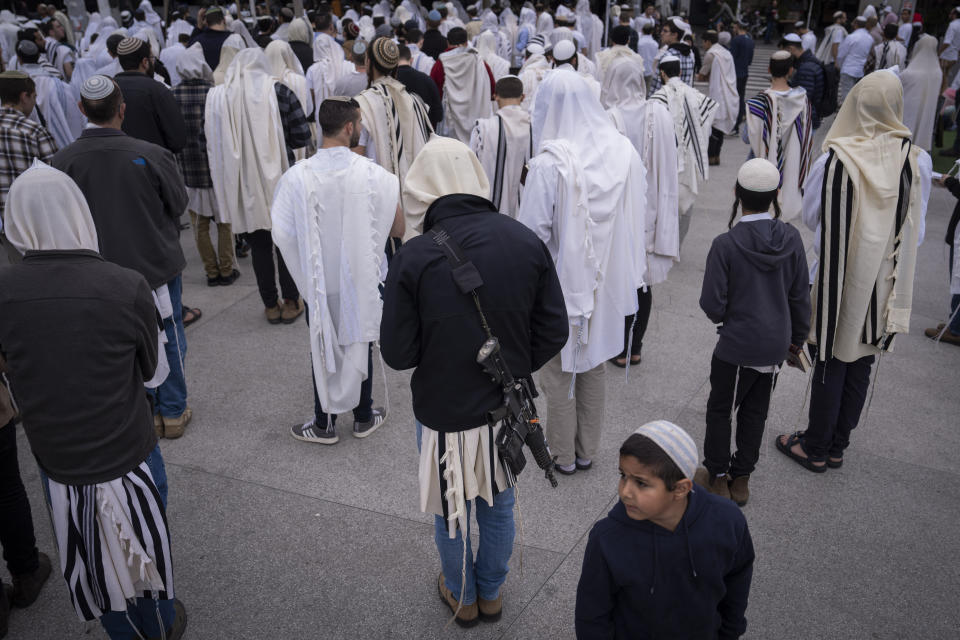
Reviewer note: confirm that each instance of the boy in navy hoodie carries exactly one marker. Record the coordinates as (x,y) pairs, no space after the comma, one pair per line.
(756,287)
(668,561)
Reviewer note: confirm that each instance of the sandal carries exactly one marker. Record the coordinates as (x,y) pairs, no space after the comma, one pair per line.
(191,315)
(786,449)
(834,463)
(616,362)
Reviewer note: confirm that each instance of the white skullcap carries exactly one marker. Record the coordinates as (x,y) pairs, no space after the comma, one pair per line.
(870,12)
(758,175)
(675,442)
(792,37)
(837,14)
(564,50)
(669,58)
(780,55)
(860,19)
(534,49)
(798,24)
(97,87)
(680,24)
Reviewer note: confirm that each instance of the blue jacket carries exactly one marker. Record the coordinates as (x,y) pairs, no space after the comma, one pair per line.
(741,48)
(640,581)
(809,75)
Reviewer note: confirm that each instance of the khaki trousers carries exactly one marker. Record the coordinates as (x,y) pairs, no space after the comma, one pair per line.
(201,231)
(573,425)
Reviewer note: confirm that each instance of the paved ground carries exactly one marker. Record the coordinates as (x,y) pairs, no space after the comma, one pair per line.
(281,539)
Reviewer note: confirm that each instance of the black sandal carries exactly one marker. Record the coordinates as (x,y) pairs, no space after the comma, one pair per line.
(834,464)
(622,365)
(806,463)
(197,314)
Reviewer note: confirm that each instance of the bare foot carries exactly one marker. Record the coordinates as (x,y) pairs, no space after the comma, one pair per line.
(798,450)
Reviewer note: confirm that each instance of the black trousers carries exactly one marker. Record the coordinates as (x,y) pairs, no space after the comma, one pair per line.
(715,144)
(639,327)
(742,90)
(262,252)
(753,390)
(837,396)
(16,522)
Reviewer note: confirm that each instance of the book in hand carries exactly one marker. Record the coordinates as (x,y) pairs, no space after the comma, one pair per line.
(798,359)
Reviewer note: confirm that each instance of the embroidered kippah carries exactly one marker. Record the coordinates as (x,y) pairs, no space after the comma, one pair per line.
(97,87)
(128,46)
(759,175)
(13,74)
(385,52)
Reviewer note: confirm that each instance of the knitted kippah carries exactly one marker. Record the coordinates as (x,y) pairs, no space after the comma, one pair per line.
(780,55)
(434,16)
(759,175)
(385,52)
(13,74)
(675,442)
(359,47)
(128,46)
(353,30)
(214,9)
(28,48)
(669,58)
(97,87)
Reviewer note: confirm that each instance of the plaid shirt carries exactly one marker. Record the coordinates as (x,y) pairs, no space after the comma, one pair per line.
(296,128)
(191,95)
(21,140)
(686,68)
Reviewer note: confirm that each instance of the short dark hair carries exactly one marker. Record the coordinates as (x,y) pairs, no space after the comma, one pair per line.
(648,453)
(378,21)
(442,11)
(139,14)
(669,24)
(113,41)
(104,109)
(457,36)
(671,68)
(404,52)
(648,29)
(620,34)
(414,35)
(780,68)
(11,88)
(214,18)
(324,21)
(46,27)
(335,113)
(509,87)
(711,37)
(890,31)
(131,61)
(183,38)
(754,201)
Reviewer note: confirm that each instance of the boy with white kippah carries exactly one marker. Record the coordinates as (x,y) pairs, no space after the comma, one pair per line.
(756,288)
(669,560)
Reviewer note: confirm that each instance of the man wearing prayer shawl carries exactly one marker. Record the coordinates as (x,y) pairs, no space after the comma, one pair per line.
(921,90)
(331,217)
(287,71)
(866,198)
(466,84)
(103,474)
(329,62)
(534,69)
(585,197)
(719,69)
(620,35)
(487,47)
(692,114)
(503,143)
(780,129)
(429,324)
(247,133)
(56,103)
(395,123)
(648,125)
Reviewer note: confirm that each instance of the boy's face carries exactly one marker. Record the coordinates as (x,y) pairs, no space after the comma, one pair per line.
(645,496)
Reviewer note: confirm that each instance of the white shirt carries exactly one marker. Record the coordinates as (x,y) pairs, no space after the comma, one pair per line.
(648,49)
(952,40)
(812,202)
(854,51)
(809,41)
(904,32)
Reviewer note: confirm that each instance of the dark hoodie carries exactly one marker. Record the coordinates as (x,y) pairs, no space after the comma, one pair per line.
(640,581)
(756,286)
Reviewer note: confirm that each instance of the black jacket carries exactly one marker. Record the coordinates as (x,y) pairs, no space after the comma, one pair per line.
(152,112)
(640,581)
(136,196)
(756,285)
(211,41)
(954,186)
(429,324)
(304,53)
(423,85)
(809,75)
(433,43)
(80,338)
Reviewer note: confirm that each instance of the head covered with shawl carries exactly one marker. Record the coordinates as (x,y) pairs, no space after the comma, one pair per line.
(623,83)
(228,50)
(921,90)
(299,31)
(192,65)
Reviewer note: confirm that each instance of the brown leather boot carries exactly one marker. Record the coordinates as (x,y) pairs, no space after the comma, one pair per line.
(158,425)
(740,490)
(273,314)
(490,610)
(173,428)
(719,486)
(468,614)
(290,310)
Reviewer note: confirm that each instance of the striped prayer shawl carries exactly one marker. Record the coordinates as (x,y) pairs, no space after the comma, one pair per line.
(695,119)
(89,556)
(761,106)
(390,106)
(836,226)
(499,174)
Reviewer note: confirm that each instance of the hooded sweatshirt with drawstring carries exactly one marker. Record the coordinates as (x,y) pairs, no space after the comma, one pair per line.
(641,581)
(754,287)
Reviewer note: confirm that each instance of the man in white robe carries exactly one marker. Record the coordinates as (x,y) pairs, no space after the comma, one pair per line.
(780,129)
(418,59)
(395,123)
(565,55)
(648,125)
(620,36)
(487,46)
(889,53)
(466,84)
(169,57)
(832,37)
(502,143)
(329,62)
(692,114)
(585,198)
(333,249)
(719,69)
(56,108)
(534,68)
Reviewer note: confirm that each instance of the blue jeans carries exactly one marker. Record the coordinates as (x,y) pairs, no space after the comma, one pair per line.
(486,574)
(170,398)
(955,299)
(143,613)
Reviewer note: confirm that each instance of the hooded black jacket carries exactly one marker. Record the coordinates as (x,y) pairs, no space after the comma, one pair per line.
(756,286)
(640,581)
(429,324)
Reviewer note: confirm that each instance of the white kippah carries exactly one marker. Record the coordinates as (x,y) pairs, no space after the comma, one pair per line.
(97,87)
(860,19)
(780,55)
(669,58)
(680,24)
(675,442)
(564,50)
(798,24)
(792,37)
(534,49)
(759,175)
(837,14)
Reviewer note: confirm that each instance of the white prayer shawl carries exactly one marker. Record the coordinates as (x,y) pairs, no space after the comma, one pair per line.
(8,34)
(723,89)
(502,143)
(169,57)
(921,90)
(648,125)
(177,27)
(544,25)
(59,54)
(82,70)
(419,60)
(780,128)
(487,47)
(606,60)
(110,69)
(591,31)
(152,18)
(825,50)
(245,143)
(692,114)
(227,54)
(57,103)
(466,92)
(588,68)
(329,66)
(531,75)
(331,216)
(585,198)
(896,55)
(287,70)
(398,125)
